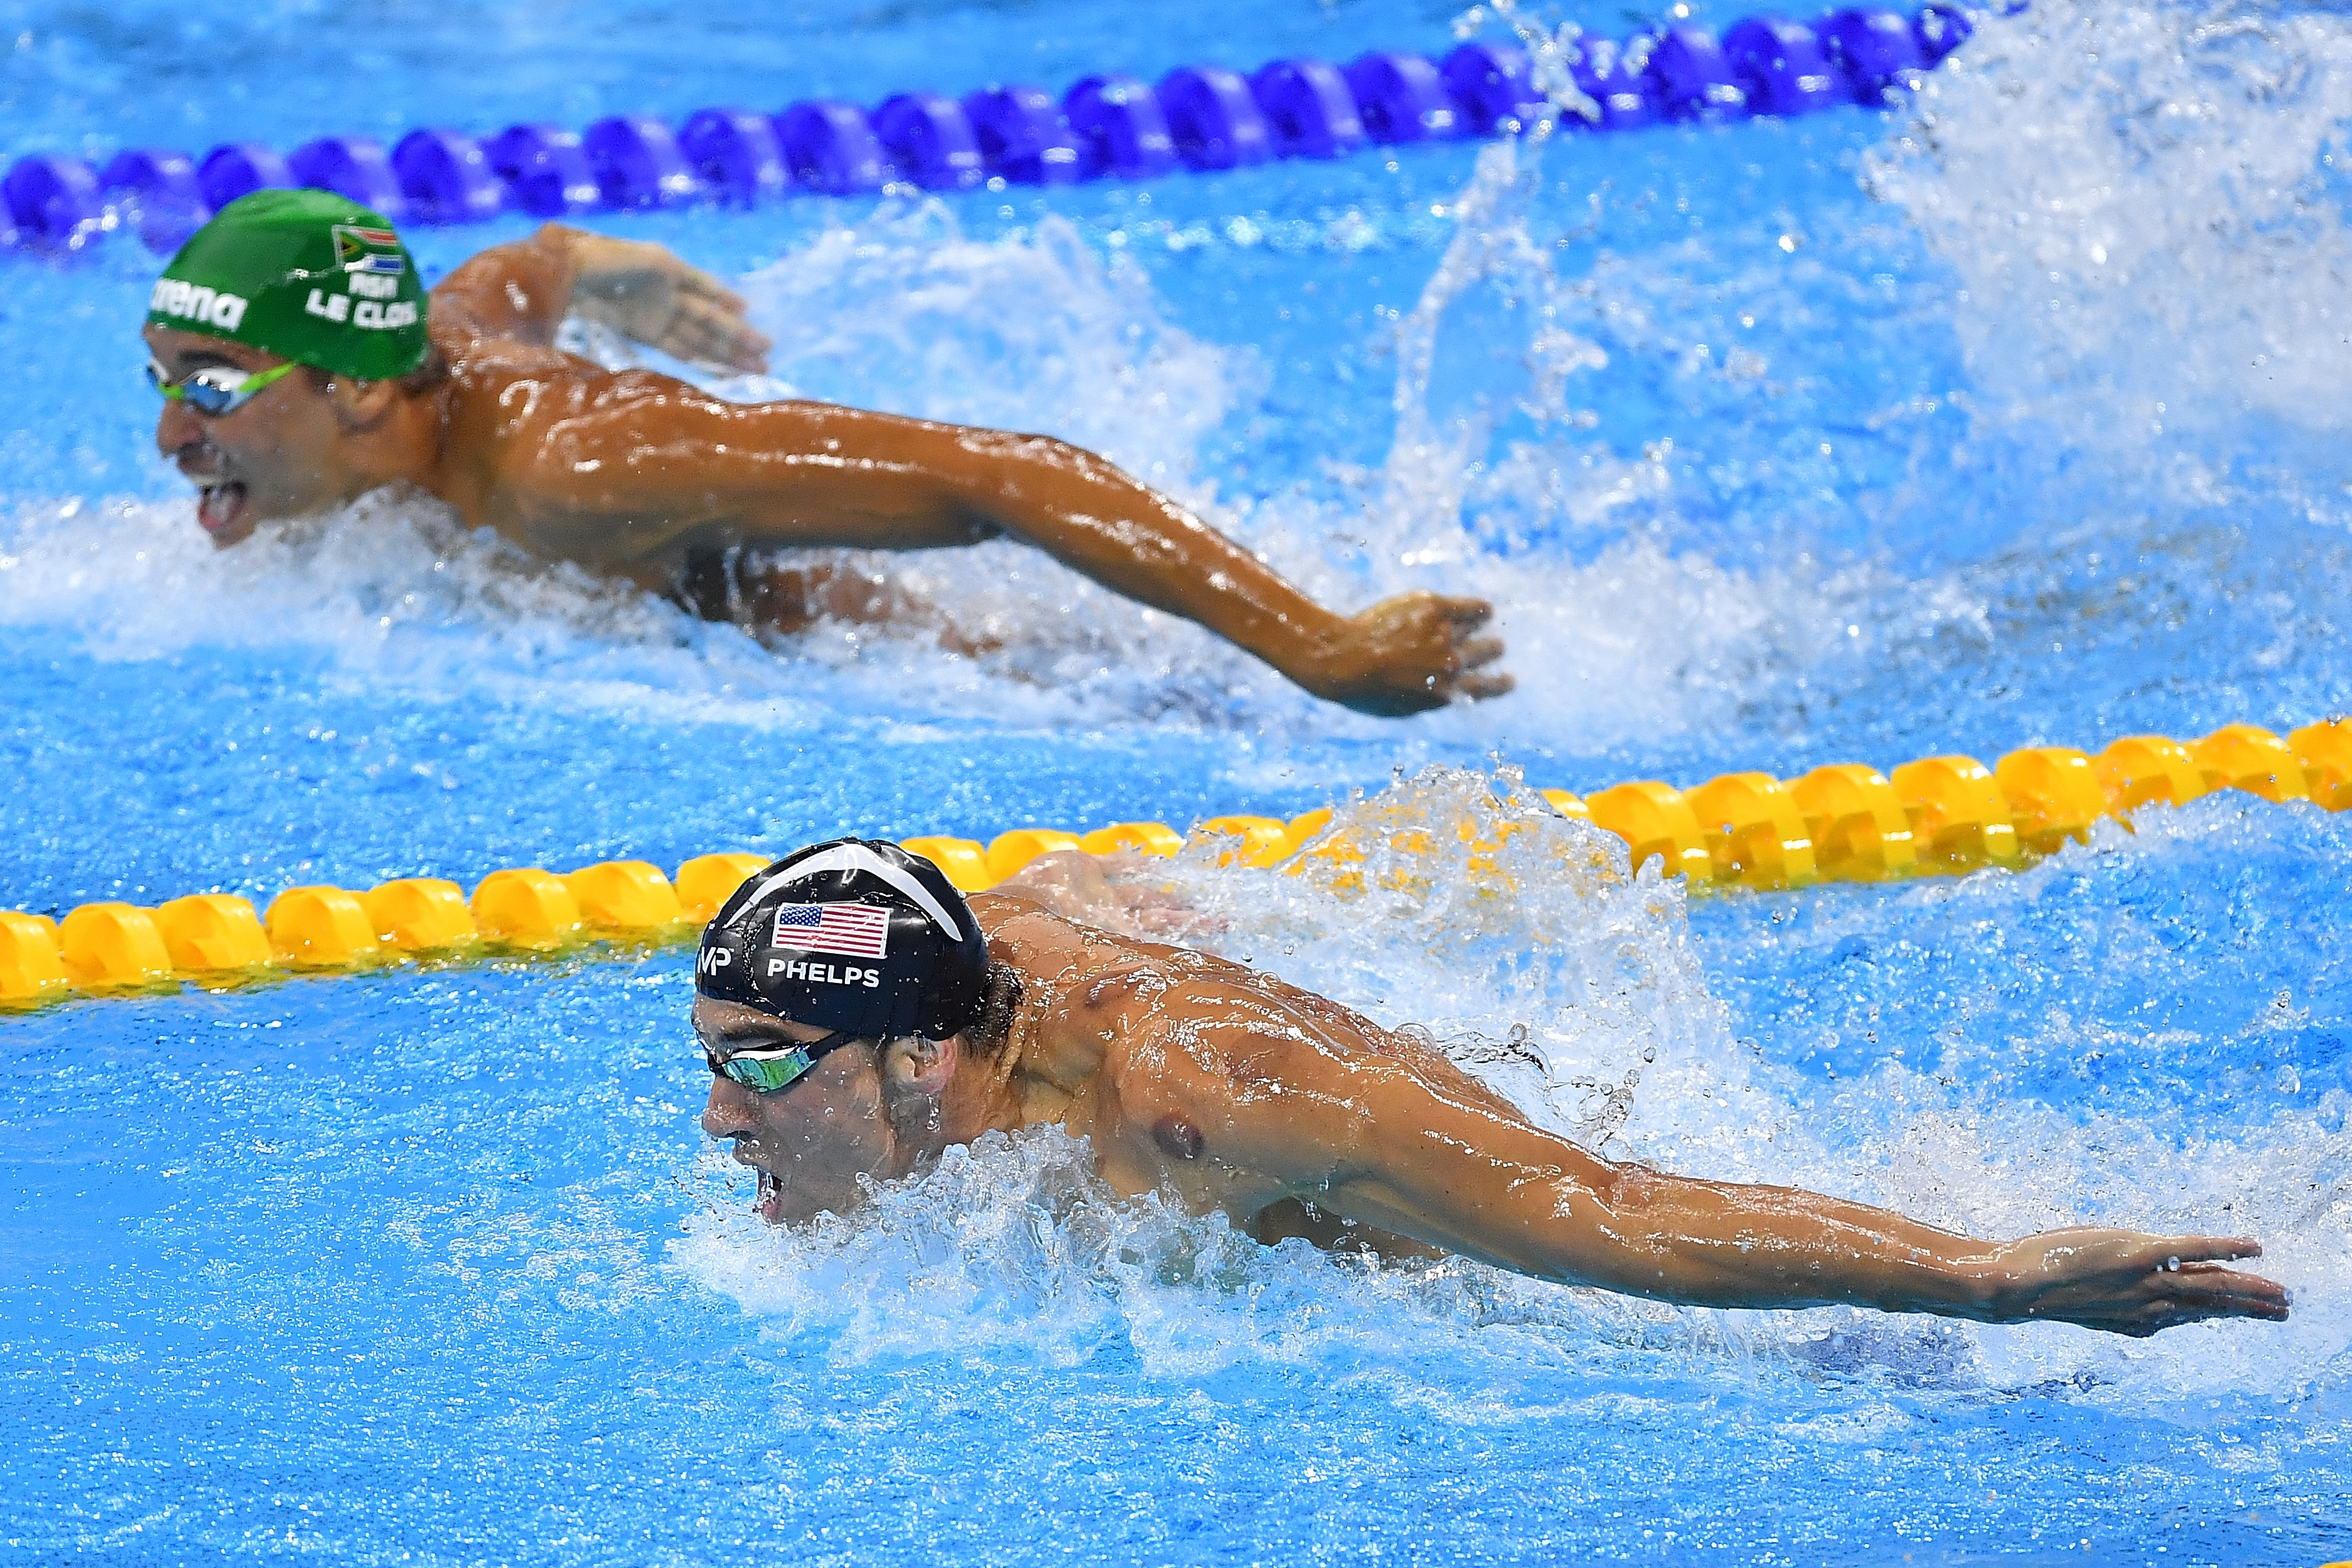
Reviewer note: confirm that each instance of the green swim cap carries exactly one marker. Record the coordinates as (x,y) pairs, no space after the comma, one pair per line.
(305,275)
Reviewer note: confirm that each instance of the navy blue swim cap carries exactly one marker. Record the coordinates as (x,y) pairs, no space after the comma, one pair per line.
(856,936)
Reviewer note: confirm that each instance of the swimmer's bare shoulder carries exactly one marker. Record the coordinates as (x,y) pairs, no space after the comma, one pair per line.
(1191,1070)
(533,438)
(626,470)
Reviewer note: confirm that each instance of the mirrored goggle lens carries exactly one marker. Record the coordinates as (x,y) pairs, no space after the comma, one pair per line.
(210,398)
(215,389)
(766,1071)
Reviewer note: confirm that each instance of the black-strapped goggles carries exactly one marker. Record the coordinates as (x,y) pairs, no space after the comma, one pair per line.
(778,1068)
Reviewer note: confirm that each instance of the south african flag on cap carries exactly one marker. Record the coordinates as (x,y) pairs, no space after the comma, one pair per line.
(368,249)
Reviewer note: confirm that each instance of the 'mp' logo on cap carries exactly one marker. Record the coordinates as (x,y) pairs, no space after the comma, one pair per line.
(361,249)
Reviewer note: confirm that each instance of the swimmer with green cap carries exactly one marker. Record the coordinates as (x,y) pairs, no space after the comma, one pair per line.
(304,364)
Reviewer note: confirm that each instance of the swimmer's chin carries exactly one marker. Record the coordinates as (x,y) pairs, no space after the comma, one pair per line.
(783,1206)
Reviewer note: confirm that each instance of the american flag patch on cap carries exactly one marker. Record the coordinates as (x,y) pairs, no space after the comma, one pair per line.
(853,931)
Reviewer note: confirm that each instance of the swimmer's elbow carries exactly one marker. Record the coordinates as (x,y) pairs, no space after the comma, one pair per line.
(1621,1188)
(964,524)
(1016,463)
(996,447)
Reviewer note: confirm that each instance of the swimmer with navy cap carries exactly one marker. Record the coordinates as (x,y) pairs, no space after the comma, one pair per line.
(860,1017)
(304,364)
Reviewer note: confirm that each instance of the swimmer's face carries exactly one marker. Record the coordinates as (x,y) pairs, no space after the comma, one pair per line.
(277,455)
(811,1140)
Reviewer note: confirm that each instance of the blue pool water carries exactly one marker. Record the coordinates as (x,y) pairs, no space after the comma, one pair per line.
(2019,418)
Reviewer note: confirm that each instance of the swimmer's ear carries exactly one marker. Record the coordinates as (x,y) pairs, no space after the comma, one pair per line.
(359,404)
(921,1066)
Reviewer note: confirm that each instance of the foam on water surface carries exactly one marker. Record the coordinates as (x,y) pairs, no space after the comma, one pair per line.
(2143,206)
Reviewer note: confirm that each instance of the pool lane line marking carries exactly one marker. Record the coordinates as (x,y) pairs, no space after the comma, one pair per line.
(1842,822)
(1204,118)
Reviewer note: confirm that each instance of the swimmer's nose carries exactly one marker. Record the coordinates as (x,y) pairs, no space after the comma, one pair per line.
(728,1112)
(176,430)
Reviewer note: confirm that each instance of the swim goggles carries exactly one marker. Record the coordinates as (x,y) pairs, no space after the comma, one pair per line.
(768,1071)
(216,389)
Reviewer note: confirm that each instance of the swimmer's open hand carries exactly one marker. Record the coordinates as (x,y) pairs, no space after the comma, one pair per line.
(649,295)
(1408,654)
(2128,1282)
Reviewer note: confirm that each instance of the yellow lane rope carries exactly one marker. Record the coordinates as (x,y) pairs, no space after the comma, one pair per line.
(1844,822)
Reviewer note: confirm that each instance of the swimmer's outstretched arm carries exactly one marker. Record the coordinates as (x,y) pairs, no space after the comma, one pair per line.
(1367,1137)
(663,467)
(636,467)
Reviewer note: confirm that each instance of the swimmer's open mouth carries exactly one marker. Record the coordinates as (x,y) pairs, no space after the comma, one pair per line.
(218,506)
(770,1199)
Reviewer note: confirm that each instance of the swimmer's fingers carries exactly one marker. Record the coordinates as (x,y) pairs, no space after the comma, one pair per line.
(2170,1253)
(1479,687)
(701,284)
(1463,619)
(1472,678)
(719,312)
(1479,652)
(647,293)
(2201,1284)
(2256,1295)
(1466,614)
(2215,1248)
(2195,1292)
(708,334)
(1407,655)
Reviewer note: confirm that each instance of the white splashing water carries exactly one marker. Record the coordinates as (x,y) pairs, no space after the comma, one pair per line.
(1556,976)
(2144,205)
(1033,333)
(389,591)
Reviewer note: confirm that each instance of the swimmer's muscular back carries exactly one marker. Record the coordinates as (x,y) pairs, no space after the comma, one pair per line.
(626,471)
(1241,1092)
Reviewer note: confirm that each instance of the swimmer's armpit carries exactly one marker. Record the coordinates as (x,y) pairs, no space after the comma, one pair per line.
(1295,1219)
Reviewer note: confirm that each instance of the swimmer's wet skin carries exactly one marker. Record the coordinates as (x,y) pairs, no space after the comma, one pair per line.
(860,1017)
(462,395)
